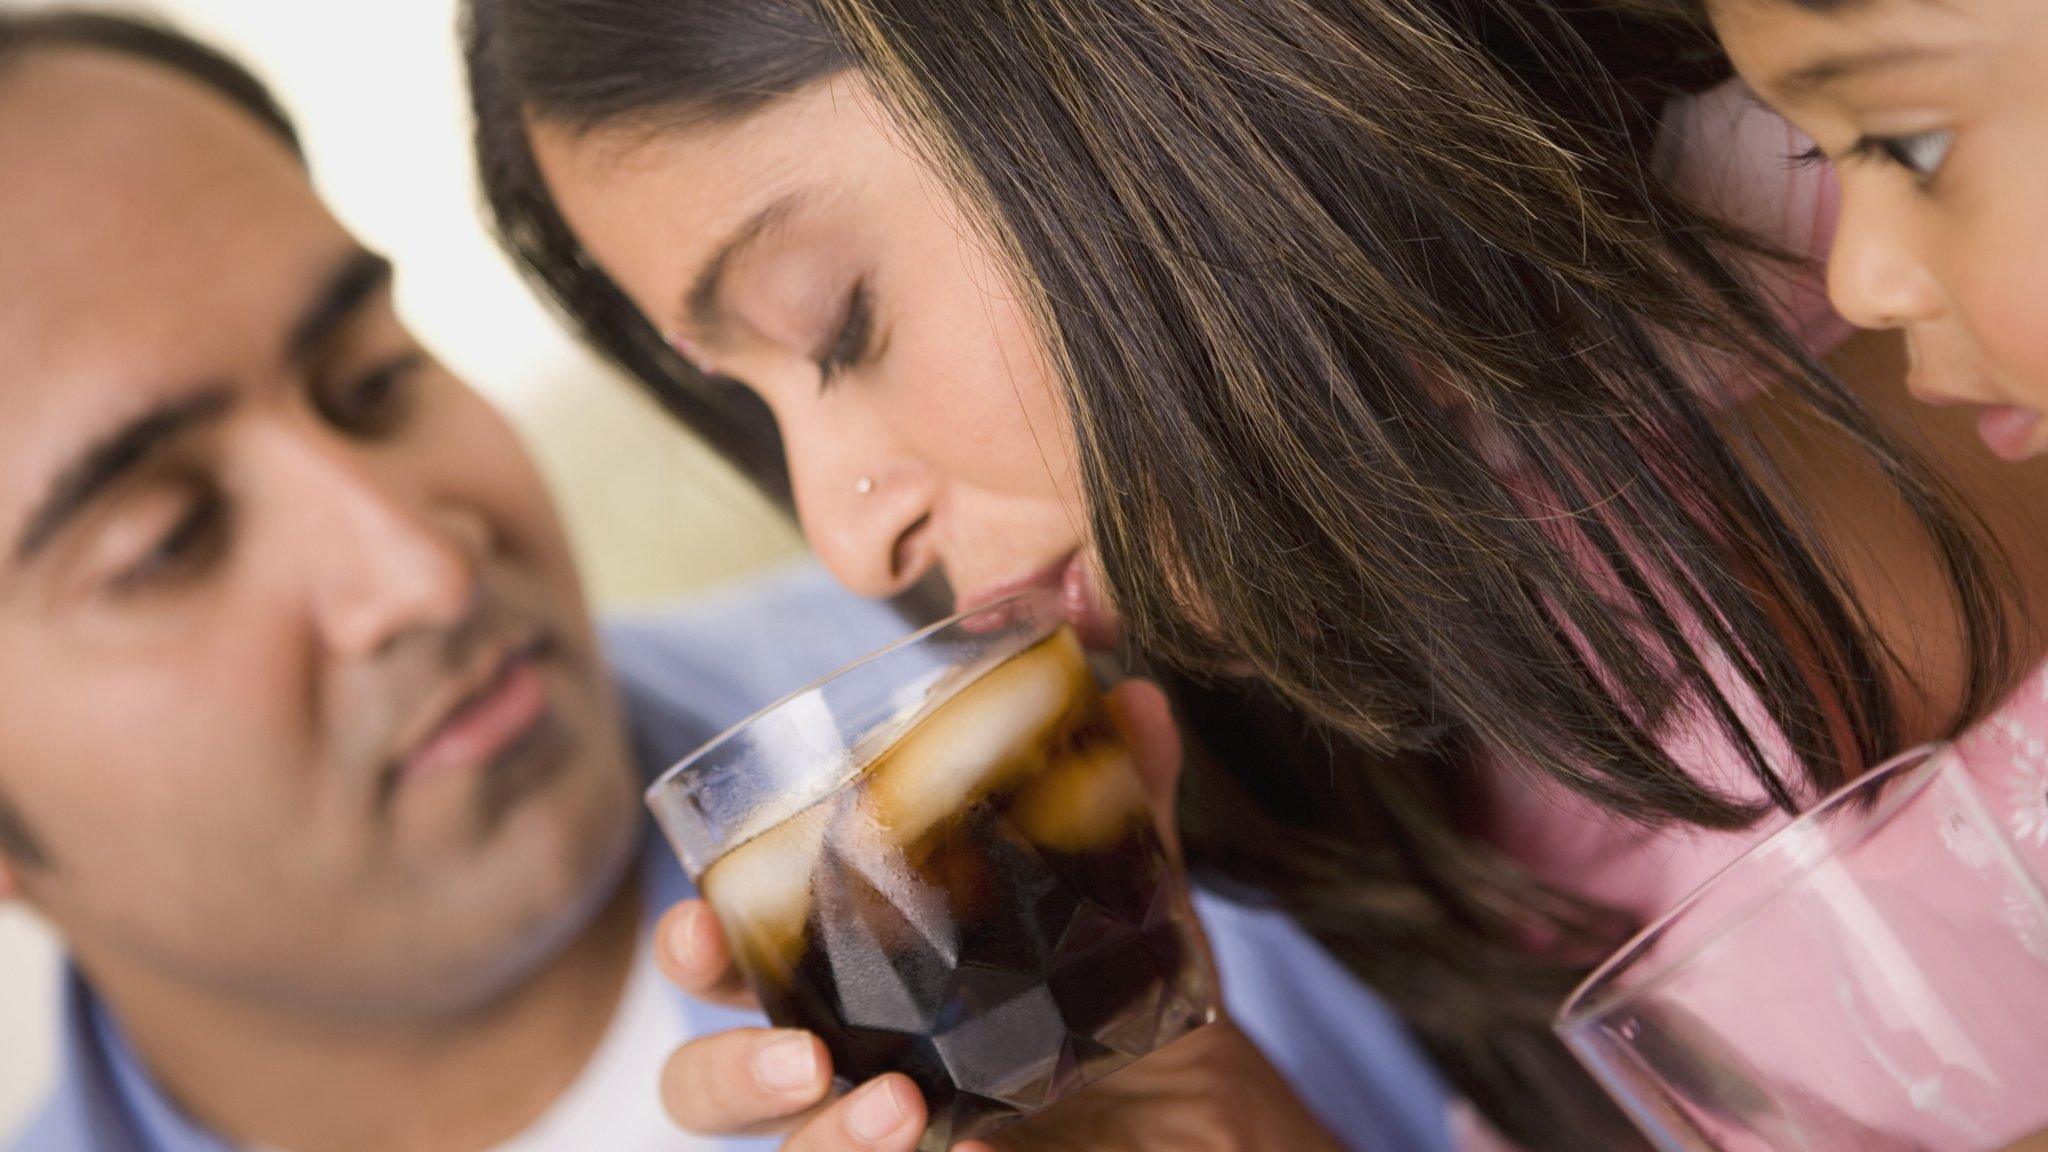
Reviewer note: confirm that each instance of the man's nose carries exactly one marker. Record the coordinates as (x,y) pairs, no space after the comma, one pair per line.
(1876,277)
(387,559)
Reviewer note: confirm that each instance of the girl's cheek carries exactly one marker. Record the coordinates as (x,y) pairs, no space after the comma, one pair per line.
(2002,303)
(1993,253)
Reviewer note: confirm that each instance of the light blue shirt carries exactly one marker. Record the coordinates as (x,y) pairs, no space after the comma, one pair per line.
(688,674)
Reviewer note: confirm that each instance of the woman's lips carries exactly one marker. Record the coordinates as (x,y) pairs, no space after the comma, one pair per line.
(1071,579)
(2009,430)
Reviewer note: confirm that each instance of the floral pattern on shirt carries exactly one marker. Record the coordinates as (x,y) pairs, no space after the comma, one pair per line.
(2008,755)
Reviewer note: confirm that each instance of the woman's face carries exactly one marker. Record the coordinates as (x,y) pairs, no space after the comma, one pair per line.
(1934,114)
(807,253)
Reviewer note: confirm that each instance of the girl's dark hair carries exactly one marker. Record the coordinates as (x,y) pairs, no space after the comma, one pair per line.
(1380,336)
(146,38)
(24,33)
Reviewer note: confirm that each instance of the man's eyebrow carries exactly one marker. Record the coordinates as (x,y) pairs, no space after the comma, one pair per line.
(359,276)
(701,304)
(104,462)
(1829,69)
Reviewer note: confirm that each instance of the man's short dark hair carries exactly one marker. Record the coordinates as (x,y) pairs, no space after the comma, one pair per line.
(148,39)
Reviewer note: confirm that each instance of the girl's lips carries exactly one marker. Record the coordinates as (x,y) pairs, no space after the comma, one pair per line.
(2009,431)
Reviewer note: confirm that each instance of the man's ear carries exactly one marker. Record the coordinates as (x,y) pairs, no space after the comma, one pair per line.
(19,851)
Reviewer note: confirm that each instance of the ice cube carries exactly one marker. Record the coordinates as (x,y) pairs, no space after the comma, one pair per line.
(990,733)
(1086,800)
(762,889)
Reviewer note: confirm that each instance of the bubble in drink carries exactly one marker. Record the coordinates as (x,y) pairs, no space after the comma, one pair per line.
(985,906)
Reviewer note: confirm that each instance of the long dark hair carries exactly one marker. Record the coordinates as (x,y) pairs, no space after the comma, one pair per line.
(1380,336)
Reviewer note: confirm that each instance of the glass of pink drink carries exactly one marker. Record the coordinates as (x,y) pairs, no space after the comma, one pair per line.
(1871,978)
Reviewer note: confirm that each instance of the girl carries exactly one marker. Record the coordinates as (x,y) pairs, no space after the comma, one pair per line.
(1933,115)
(1360,363)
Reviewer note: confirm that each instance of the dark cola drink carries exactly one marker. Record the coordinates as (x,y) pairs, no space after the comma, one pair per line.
(984,905)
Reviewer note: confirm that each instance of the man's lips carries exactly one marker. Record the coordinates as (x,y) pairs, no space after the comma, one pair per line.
(485,714)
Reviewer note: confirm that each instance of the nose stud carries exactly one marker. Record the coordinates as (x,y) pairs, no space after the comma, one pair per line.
(864,486)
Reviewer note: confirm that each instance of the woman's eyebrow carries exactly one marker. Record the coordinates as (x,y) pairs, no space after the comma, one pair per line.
(701,305)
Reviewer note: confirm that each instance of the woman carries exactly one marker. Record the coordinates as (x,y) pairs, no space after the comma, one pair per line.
(1353,353)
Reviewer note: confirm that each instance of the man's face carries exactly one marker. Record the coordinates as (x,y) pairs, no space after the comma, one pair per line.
(298,697)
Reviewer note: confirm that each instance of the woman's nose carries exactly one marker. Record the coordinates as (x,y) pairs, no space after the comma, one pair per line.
(872,529)
(866,506)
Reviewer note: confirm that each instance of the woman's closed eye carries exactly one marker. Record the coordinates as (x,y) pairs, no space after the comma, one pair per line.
(850,340)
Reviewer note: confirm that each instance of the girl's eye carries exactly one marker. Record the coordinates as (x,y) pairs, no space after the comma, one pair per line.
(185,550)
(1810,158)
(1921,153)
(850,344)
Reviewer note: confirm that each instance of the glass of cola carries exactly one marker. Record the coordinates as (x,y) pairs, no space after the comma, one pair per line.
(942,861)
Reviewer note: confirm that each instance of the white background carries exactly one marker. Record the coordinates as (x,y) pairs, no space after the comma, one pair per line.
(376,87)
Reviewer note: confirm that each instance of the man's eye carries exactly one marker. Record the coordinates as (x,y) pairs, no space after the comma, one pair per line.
(376,402)
(184,551)
(1922,153)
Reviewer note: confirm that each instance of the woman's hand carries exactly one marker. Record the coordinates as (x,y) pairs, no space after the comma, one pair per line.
(1211,1091)
(755,1081)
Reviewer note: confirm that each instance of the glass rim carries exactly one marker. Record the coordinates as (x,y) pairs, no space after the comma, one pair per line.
(1593,997)
(681,768)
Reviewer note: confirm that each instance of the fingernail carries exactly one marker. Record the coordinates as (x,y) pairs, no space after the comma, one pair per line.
(875,1112)
(683,937)
(787,1063)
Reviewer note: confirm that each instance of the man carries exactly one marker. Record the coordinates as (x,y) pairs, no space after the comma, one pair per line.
(308,749)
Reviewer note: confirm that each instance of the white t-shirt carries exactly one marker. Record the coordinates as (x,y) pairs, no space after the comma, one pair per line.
(615,1104)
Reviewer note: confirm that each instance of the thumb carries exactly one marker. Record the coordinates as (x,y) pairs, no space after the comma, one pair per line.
(1142,713)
